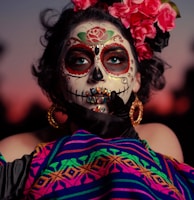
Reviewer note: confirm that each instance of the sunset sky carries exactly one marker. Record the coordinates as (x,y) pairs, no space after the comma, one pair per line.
(20,31)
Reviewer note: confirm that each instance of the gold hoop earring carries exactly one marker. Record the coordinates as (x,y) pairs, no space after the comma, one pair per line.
(50,115)
(136,106)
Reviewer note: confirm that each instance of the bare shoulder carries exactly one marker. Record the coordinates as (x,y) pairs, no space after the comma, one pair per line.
(161,139)
(16,146)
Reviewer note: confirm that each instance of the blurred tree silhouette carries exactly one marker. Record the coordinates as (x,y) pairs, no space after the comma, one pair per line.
(35,118)
(3,122)
(183,122)
(184,97)
(1,49)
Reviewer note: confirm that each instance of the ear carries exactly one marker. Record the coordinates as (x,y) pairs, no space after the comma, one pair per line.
(137,82)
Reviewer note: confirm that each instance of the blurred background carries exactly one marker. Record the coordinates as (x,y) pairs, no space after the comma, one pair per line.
(23,106)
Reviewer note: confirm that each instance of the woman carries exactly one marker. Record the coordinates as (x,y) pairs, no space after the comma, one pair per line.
(98,67)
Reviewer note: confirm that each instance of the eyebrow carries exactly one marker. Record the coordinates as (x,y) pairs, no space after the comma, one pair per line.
(82,49)
(113,48)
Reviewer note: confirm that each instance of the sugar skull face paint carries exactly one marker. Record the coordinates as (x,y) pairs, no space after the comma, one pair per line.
(97,59)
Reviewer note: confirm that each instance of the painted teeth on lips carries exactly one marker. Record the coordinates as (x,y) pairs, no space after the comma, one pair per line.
(98,95)
(97,99)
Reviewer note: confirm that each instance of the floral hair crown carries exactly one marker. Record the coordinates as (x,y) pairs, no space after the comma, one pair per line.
(149,21)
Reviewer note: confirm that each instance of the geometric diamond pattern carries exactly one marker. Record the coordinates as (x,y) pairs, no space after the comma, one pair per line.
(84,166)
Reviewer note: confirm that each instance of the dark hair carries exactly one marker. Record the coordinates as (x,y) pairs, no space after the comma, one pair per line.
(48,71)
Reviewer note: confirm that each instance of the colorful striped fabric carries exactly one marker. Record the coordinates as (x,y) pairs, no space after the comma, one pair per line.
(2,160)
(84,166)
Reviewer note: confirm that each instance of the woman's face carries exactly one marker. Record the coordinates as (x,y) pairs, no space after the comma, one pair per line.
(97,59)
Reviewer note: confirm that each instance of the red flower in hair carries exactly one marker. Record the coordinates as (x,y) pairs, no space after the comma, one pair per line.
(121,11)
(149,8)
(144,51)
(145,29)
(166,17)
(83,4)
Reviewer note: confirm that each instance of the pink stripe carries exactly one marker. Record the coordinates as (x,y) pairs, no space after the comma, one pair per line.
(124,190)
(99,144)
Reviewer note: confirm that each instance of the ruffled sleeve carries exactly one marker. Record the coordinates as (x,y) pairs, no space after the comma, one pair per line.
(13,176)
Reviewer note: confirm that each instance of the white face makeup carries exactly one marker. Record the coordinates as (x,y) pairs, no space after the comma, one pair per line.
(97,60)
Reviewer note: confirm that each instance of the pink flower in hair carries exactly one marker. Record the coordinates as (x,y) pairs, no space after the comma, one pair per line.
(130,2)
(121,11)
(166,17)
(142,17)
(140,32)
(83,4)
(137,1)
(149,8)
(144,51)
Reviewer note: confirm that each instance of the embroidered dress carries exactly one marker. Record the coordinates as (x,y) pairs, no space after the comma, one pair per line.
(85,166)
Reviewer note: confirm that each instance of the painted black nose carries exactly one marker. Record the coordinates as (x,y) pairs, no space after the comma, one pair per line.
(97,75)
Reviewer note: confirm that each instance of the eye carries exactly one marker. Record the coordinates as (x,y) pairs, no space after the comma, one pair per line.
(78,61)
(114,60)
